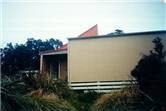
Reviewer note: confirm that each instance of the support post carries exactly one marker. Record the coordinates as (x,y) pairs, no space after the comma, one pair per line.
(41,63)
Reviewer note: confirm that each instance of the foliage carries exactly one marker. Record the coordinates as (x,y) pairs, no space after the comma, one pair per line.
(59,87)
(117,32)
(123,100)
(25,56)
(15,102)
(150,72)
(17,95)
(110,102)
(80,100)
(84,100)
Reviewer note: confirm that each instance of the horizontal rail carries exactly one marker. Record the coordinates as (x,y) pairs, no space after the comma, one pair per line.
(99,83)
(97,87)
(102,86)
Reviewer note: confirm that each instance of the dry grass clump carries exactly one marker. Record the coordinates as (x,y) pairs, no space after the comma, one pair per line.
(115,101)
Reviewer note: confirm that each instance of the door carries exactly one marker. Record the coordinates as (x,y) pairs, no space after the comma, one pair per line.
(54,71)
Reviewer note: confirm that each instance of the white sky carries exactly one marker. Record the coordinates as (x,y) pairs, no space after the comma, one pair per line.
(44,19)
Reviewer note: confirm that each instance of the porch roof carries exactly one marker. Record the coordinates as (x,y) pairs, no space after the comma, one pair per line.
(53,52)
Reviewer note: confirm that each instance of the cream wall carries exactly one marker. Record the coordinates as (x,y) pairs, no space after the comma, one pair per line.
(106,58)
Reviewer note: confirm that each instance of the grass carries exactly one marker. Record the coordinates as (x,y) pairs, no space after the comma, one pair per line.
(117,101)
(45,94)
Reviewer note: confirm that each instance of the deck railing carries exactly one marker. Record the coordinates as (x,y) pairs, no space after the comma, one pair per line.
(100,86)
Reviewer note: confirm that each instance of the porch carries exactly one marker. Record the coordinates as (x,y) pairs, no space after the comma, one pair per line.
(54,64)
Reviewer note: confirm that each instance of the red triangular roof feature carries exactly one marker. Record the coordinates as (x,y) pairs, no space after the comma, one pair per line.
(93,31)
(64,47)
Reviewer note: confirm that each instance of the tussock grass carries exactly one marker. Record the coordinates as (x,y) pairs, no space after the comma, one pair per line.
(115,101)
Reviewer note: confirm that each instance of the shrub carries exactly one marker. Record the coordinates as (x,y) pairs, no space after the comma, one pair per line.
(110,101)
(116,101)
(40,99)
(84,100)
(150,73)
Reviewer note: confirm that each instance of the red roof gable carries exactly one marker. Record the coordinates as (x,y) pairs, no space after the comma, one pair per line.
(64,47)
(93,31)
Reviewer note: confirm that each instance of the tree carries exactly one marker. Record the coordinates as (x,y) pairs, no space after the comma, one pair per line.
(117,32)
(40,45)
(55,43)
(15,58)
(25,56)
(150,72)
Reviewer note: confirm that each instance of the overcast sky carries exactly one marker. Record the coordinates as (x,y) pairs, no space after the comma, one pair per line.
(44,19)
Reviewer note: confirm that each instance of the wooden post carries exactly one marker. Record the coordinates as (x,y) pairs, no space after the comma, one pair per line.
(41,63)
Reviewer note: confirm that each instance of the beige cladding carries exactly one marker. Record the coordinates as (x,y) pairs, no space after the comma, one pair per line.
(106,58)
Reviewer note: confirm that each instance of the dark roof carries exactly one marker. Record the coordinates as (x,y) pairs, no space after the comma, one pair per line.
(121,35)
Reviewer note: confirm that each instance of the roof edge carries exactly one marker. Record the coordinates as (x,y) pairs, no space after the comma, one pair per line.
(120,35)
(49,52)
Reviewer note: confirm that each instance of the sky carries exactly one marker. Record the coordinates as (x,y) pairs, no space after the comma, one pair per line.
(62,19)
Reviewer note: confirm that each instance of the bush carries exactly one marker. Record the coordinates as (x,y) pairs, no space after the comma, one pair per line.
(110,101)
(19,96)
(150,73)
(84,100)
(117,101)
